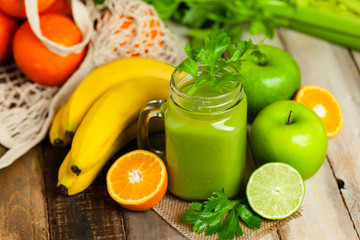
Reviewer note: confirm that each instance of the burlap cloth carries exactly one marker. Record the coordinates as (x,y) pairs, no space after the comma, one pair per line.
(172,210)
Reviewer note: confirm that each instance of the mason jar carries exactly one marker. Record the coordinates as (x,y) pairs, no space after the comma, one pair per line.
(205,137)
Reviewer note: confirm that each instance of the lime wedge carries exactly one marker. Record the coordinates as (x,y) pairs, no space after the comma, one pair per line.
(275,190)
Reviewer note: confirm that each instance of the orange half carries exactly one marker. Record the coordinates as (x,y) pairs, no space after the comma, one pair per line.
(137,180)
(324,105)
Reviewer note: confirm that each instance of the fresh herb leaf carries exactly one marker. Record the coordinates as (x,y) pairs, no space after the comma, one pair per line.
(208,216)
(215,45)
(189,65)
(230,80)
(192,217)
(248,216)
(217,72)
(217,202)
(231,227)
(240,50)
(196,206)
(198,35)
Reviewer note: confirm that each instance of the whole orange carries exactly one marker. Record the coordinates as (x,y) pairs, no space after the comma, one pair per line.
(8,26)
(36,61)
(16,8)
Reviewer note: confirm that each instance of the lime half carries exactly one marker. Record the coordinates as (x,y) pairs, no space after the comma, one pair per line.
(275,190)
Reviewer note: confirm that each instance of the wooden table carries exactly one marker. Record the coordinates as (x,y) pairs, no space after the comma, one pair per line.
(32,208)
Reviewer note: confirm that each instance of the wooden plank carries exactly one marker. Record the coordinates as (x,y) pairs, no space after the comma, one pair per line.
(323,211)
(91,214)
(149,225)
(332,67)
(23,209)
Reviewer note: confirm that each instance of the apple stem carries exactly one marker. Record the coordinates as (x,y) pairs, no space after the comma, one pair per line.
(289,118)
(262,62)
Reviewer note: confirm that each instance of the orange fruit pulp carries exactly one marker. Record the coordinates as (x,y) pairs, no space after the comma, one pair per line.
(36,61)
(16,8)
(137,180)
(325,105)
(8,26)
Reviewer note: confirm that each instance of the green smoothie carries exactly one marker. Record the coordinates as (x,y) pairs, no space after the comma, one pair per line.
(205,151)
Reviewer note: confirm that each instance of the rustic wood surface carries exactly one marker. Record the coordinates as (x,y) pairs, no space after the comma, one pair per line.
(32,208)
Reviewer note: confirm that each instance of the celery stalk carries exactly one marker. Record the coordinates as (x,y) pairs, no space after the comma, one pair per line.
(316,18)
(326,34)
(353,5)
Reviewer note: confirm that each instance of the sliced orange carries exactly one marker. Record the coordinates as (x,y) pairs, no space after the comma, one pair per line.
(137,180)
(324,105)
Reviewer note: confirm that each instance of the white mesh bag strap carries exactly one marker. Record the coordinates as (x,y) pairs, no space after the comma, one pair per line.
(81,17)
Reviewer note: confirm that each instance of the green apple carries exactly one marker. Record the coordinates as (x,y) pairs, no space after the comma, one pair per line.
(267,80)
(290,132)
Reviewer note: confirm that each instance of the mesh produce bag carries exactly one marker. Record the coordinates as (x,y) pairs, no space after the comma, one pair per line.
(115,29)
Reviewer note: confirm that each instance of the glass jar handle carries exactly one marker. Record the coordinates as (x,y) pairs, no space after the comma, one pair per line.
(151,110)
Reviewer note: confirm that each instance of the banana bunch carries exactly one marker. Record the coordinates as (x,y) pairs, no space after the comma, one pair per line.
(101,116)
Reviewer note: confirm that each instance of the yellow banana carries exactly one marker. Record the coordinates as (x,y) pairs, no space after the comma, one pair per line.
(69,183)
(65,176)
(104,78)
(57,135)
(108,118)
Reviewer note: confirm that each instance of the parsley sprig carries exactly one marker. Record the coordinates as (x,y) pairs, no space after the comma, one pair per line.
(210,214)
(211,57)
